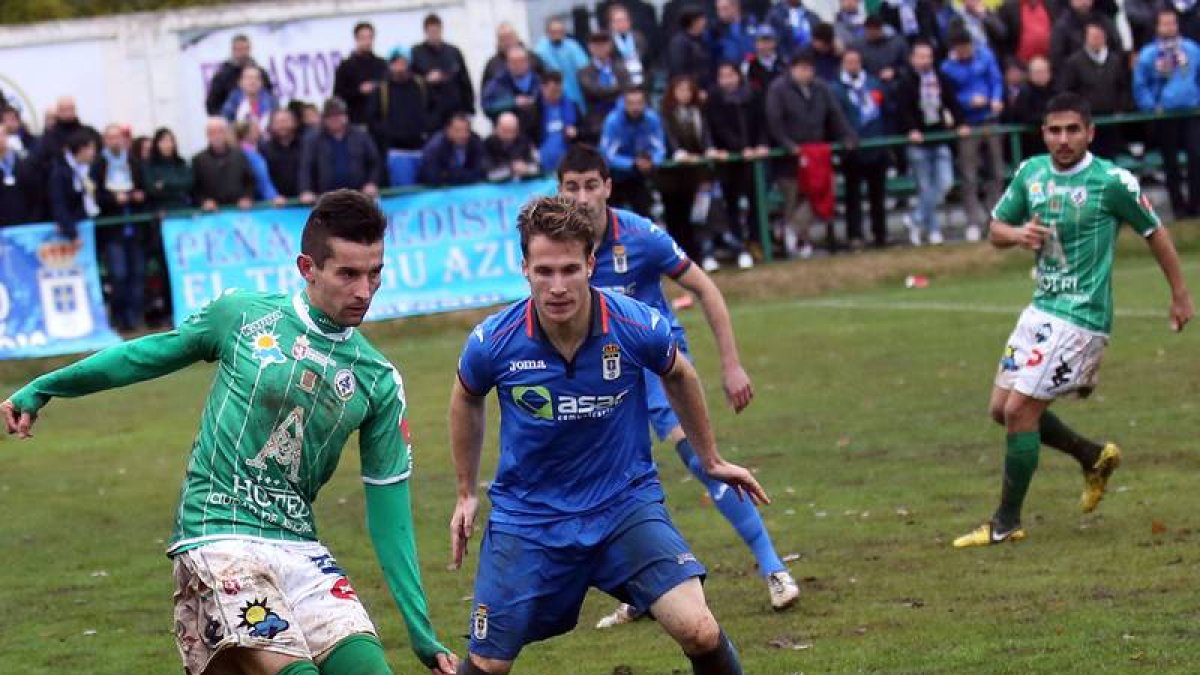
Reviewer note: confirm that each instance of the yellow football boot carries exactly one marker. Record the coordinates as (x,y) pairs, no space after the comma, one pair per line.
(1096,479)
(985,535)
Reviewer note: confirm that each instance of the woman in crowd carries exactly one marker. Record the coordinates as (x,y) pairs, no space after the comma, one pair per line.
(166,175)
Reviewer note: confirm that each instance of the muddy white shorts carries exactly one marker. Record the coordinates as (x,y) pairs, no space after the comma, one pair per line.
(1047,358)
(290,598)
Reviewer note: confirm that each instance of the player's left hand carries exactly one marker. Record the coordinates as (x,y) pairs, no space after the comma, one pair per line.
(1182,311)
(447,664)
(17,423)
(738,390)
(741,480)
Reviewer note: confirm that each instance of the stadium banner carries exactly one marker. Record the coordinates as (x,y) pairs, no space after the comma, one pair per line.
(50,299)
(444,250)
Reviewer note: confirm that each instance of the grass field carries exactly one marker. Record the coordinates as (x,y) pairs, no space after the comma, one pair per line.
(869,430)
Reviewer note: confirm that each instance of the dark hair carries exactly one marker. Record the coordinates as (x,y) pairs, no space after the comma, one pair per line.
(921,42)
(804,56)
(669,103)
(363,25)
(1097,23)
(79,139)
(138,147)
(240,37)
(852,50)
(689,15)
(599,37)
(582,158)
(431,20)
(155,155)
(341,214)
(823,32)
(557,218)
(458,117)
(1069,102)
(959,36)
(873,21)
(552,76)
(733,65)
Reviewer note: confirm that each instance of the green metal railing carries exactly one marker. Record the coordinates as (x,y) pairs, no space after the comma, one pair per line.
(761,183)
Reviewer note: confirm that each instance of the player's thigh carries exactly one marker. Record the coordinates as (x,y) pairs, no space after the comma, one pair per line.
(525,591)
(644,558)
(1022,412)
(684,614)
(228,595)
(244,661)
(324,602)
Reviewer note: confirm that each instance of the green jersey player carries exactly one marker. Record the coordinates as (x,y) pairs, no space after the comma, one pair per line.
(1068,207)
(256,592)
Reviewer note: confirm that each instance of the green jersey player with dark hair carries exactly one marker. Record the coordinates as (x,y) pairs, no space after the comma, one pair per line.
(1067,206)
(256,592)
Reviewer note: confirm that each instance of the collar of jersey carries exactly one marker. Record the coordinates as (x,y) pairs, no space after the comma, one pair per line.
(533,327)
(315,319)
(1083,164)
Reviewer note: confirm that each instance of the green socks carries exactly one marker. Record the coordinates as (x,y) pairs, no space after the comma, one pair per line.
(1020,461)
(1058,435)
(300,668)
(359,654)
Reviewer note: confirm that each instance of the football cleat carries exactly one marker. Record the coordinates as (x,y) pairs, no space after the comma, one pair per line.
(623,614)
(784,590)
(1096,478)
(986,535)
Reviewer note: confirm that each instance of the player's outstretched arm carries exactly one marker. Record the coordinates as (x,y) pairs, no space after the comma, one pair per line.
(136,361)
(390,525)
(468,421)
(738,390)
(686,396)
(1164,252)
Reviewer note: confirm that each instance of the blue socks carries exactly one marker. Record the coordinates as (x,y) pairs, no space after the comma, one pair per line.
(741,514)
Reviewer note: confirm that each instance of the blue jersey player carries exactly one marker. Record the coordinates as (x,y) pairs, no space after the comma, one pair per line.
(576,501)
(632,257)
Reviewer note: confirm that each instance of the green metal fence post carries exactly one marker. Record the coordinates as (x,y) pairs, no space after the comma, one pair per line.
(1014,146)
(764,216)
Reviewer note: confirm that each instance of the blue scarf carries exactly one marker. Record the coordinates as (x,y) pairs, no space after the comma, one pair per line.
(801,28)
(118,176)
(860,97)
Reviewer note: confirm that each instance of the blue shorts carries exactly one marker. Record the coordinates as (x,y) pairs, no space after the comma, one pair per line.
(526,591)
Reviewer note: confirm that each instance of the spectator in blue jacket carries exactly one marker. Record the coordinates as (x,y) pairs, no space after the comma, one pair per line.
(633,143)
(793,24)
(730,38)
(251,100)
(454,156)
(248,136)
(861,96)
(560,122)
(516,89)
(1164,79)
(561,54)
(973,72)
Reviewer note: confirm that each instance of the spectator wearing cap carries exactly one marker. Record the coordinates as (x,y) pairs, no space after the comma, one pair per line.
(734,112)
(633,144)
(761,69)
(1028,25)
(248,137)
(445,72)
(926,104)
(792,25)
(560,53)
(632,47)
(883,55)
(14,186)
(339,156)
(506,39)
(250,101)
(1101,76)
(560,118)
(865,107)
(229,74)
(823,52)
(282,150)
(515,89)
(1068,33)
(602,81)
(222,174)
(166,176)
(454,156)
(972,70)
(71,189)
(687,54)
(508,154)
(913,20)
(801,109)
(358,75)
(729,38)
(119,194)
(399,119)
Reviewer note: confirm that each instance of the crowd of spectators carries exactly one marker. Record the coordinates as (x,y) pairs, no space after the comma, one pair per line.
(708,80)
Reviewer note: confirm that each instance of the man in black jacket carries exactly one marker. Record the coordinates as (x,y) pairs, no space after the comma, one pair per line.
(444,70)
(223,175)
(1068,33)
(359,74)
(454,156)
(398,112)
(70,187)
(282,152)
(226,79)
(1100,75)
(687,54)
(338,156)
(14,188)
(508,153)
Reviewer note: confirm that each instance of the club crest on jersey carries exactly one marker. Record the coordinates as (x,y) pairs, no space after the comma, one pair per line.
(1078,196)
(266,349)
(343,384)
(611,361)
(479,622)
(308,381)
(620,259)
(302,349)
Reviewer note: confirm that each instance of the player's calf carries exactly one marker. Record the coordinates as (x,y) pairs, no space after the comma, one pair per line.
(478,665)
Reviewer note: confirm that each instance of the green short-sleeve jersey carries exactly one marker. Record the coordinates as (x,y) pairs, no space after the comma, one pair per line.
(291,386)
(1083,208)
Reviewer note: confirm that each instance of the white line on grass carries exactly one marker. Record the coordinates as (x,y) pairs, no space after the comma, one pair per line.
(926,306)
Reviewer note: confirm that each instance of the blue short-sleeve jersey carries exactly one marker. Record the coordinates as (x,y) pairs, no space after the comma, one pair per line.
(633,257)
(574,434)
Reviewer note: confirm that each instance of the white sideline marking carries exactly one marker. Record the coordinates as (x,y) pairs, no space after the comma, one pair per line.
(931,306)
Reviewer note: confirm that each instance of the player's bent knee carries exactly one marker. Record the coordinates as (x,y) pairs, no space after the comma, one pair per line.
(997,414)
(699,635)
(479,665)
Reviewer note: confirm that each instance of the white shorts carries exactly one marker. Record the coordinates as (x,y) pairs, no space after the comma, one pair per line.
(1048,358)
(290,598)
